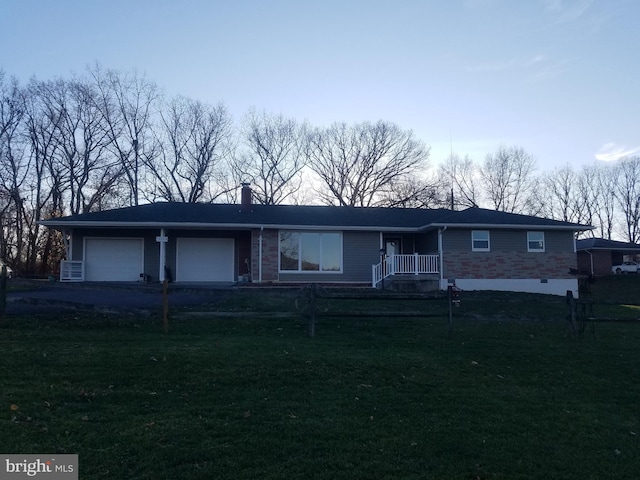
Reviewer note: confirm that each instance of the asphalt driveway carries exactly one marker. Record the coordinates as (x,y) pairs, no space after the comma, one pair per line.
(32,296)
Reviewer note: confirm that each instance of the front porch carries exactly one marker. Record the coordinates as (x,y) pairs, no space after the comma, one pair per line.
(405,265)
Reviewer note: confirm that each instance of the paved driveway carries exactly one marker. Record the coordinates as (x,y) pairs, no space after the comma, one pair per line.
(46,297)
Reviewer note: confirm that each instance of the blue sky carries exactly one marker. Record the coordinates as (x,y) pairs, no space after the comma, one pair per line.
(559,78)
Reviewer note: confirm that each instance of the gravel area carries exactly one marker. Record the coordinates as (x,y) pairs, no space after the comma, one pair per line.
(32,296)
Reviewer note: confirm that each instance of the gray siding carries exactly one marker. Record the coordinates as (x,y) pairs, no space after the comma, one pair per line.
(427,243)
(152,258)
(507,240)
(361,250)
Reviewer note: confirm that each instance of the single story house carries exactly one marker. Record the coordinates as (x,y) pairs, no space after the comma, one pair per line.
(596,256)
(478,249)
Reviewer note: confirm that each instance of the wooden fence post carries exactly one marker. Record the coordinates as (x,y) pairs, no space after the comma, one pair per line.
(311,329)
(165,306)
(450,296)
(3,291)
(571,317)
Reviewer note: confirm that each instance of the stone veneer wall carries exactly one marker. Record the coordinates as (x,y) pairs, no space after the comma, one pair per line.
(514,265)
(602,262)
(269,255)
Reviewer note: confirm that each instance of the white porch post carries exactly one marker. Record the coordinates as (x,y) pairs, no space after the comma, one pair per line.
(66,237)
(162,240)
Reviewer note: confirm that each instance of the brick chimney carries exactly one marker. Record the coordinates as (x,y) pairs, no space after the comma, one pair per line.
(245,197)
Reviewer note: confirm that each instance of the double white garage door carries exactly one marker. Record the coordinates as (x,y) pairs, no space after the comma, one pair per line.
(122,259)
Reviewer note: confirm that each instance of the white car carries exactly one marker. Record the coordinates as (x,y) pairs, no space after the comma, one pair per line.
(626,267)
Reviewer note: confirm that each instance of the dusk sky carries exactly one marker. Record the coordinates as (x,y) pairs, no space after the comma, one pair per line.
(559,78)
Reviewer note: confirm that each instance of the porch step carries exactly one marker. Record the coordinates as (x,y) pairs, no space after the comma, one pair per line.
(413,283)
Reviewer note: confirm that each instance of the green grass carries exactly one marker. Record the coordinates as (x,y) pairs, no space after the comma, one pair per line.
(382,399)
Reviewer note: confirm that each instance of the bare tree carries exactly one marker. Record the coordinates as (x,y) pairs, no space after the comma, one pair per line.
(126,101)
(561,198)
(14,168)
(275,154)
(508,176)
(594,187)
(89,173)
(414,193)
(459,176)
(362,165)
(605,206)
(193,142)
(627,192)
(40,127)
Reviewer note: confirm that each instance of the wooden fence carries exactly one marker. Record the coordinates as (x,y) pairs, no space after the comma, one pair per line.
(582,313)
(314,303)
(311,307)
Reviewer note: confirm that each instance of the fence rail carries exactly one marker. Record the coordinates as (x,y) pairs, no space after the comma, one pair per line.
(311,295)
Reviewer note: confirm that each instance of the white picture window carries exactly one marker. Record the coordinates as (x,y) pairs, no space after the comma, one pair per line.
(480,241)
(535,241)
(310,251)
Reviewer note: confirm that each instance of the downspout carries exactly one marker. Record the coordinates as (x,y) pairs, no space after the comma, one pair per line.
(260,255)
(441,253)
(575,250)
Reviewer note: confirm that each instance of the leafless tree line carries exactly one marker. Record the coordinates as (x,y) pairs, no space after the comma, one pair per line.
(606,196)
(111,139)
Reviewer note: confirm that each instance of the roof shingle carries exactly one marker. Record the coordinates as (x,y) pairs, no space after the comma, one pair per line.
(291,216)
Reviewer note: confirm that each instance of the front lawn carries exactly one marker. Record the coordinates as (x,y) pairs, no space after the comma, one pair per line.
(249,398)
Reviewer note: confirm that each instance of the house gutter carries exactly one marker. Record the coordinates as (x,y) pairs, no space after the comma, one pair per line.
(221,226)
(511,226)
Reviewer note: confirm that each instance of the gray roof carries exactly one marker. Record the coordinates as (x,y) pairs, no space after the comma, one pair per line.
(604,244)
(208,215)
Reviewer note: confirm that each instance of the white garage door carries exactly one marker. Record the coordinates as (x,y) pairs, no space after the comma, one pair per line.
(113,259)
(205,260)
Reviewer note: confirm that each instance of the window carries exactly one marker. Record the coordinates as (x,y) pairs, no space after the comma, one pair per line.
(535,241)
(310,251)
(480,240)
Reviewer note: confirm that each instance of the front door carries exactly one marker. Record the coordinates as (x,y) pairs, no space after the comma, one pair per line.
(393,246)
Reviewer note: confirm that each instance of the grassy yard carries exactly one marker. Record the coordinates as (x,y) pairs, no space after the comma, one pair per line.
(507,397)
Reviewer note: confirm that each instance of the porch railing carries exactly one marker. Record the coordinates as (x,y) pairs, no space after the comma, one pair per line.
(404,265)
(71,271)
